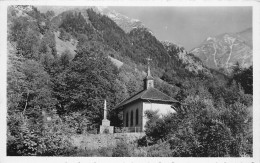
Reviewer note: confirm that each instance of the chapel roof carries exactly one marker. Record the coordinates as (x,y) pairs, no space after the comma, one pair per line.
(152,94)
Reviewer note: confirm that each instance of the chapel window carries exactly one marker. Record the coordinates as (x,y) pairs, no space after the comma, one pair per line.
(132,118)
(126,124)
(136,117)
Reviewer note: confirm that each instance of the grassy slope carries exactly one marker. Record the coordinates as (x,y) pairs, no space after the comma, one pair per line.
(61,46)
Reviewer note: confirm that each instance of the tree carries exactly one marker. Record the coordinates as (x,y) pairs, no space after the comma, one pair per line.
(26,35)
(156,128)
(65,58)
(49,14)
(48,41)
(86,82)
(29,95)
(64,35)
(201,130)
(243,76)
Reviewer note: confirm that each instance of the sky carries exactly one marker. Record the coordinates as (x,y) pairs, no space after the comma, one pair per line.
(190,26)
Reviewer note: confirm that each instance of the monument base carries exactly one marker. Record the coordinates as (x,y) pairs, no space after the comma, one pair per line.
(106,129)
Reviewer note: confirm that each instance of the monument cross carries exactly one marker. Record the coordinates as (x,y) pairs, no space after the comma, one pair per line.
(105,127)
(105,109)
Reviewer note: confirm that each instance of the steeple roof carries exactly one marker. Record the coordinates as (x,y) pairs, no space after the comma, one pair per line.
(151,94)
(148,78)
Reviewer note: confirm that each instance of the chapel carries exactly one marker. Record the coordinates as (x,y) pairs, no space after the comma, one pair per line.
(149,98)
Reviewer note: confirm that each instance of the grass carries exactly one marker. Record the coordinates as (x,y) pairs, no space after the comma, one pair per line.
(61,46)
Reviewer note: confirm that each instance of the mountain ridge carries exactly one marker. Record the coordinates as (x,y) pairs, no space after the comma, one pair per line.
(225,50)
(137,37)
(126,23)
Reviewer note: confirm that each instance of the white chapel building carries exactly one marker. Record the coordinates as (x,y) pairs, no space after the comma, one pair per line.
(150,98)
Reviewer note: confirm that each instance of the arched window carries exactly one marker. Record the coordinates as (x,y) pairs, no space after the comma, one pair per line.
(132,118)
(126,124)
(136,117)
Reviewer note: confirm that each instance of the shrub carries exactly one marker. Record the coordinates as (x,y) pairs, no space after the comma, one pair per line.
(121,150)
(162,149)
(158,128)
(121,129)
(49,140)
(139,152)
(143,141)
(201,131)
(106,152)
(102,152)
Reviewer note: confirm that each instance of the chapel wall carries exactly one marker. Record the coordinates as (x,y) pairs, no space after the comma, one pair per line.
(128,109)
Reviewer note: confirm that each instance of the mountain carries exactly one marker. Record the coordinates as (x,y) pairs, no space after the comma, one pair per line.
(120,34)
(223,51)
(124,22)
(247,35)
(190,62)
(125,42)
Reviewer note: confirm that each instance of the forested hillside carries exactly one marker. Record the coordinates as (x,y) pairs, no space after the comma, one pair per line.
(54,93)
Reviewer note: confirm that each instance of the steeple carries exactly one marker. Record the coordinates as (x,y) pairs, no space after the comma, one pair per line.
(148,70)
(148,81)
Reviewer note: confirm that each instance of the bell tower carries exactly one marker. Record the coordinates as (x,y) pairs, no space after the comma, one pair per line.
(148,81)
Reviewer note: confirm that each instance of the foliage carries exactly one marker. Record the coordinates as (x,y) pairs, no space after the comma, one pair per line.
(48,41)
(155,126)
(121,130)
(25,34)
(147,45)
(113,35)
(64,35)
(29,102)
(200,130)
(121,150)
(75,24)
(162,149)
(65,58)
(86,82)
(244,77)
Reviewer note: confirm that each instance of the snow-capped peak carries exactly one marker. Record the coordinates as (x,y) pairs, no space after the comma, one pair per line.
(101,8)
(209,38)
(126,23)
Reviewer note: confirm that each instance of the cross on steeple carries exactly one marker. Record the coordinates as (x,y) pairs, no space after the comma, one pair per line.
(148,63)
(148,59)
(148,81)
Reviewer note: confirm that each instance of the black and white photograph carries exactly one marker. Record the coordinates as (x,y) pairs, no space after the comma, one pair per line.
(130,81)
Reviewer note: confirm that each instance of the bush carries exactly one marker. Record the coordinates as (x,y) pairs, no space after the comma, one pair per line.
(162,149)
(121,129)
(121,150)
(49,140)
(102,152)
(143,141)
(139,152)
(158,128)
(201,131)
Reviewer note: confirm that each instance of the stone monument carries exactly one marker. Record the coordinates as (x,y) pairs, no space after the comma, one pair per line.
(105,128)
